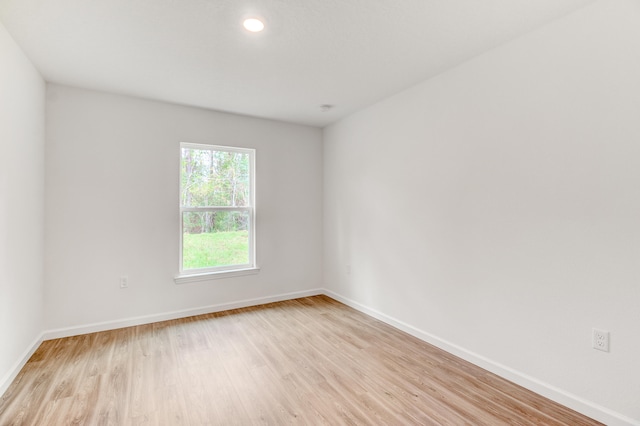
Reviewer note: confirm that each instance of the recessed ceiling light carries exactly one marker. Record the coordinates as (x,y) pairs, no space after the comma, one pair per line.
(325,107)
(254,25)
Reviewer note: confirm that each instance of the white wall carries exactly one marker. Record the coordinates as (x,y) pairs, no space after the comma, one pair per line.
(22,96)
(112,207)
(495,209)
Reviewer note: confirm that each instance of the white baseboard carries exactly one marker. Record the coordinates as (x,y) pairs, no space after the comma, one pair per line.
(147,319)
(590,409)
(8,378)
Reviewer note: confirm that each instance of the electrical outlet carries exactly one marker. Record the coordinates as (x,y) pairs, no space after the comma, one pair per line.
(601,340)
(124,281)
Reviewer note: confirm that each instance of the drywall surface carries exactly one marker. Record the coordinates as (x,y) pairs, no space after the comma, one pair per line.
(22,97)
(112,192)
(496,207)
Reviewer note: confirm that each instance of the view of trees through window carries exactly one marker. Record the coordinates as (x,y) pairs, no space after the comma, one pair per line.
(215,200)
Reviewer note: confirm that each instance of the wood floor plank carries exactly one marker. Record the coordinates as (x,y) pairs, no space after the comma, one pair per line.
(301,362)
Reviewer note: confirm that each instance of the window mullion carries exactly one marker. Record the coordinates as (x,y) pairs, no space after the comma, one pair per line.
(214,209)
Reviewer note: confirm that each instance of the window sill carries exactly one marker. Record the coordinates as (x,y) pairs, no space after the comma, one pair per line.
(206,276)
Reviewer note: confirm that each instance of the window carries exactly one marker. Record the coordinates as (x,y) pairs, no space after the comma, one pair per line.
(217,209)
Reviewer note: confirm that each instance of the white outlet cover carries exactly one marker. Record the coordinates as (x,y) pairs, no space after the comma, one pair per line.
(600,340)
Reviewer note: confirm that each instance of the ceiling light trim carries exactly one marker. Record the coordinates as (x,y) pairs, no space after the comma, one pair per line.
(253,25)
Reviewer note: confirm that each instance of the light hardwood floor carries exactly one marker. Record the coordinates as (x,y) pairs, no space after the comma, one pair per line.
(304,361)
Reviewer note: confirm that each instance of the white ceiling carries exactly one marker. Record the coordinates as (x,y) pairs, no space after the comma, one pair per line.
(347,53)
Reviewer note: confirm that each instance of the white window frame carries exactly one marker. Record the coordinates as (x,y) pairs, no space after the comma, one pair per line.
(201,274)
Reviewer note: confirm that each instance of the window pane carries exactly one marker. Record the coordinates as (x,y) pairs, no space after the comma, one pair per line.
(212,239)
(214,178)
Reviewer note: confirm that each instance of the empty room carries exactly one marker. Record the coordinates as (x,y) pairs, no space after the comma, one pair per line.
(320,212)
